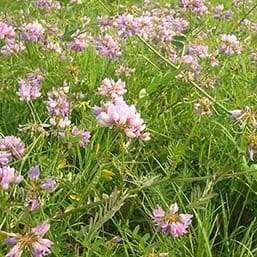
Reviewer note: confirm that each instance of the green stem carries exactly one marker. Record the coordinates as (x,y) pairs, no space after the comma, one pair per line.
(199,88)
(196,86)
(157,53)
(155,183)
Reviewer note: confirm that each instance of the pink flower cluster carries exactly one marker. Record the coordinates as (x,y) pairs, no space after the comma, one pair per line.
(83,136)
(6,31)
(10,146)
(171,223)
(203,107)
(108,47)
(8,176)
(118,113)
(53,46)
(111,88)
(221,14)
(230,45)
(29,89)
(48,4)
(12,46)
(32,32)
(34,239)
(196,6)
(32,195)
(80,42)
(59,107)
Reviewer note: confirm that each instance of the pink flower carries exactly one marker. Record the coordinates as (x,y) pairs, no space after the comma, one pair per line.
(80,42)
(221,14)
(53,46)
(76,1)
(198,50)
(59,107)
(6,31)
(14,145)
(83,136)
(29,89)
(105,22)
(111,88)
(107,47)
(170,222)
(48,4)
(8,176)
(230,45)
(32,32)
(34,239)
(118,113)
(125,23)
(12,46)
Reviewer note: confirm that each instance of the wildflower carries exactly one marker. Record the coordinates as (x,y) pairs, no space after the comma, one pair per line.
(236,114)
(144,25)
(59,107)
(6,31)
(83,136)
(8,176)
(12,46)
(245,114)
(54,46)
(125,24)
(104,23)
(29,89)
(32,194)
(198,50)
(111,88)
(47,4)
(4,157)
(80,42)
(76,1)
(33,239)
(196,6)
(107,47)
(203,107)
(221,14)
(32,32)
(171,223)
(191,3)
(31,202)
(13,145)
(34,173)
(48,183)
(118,113)
(230,45)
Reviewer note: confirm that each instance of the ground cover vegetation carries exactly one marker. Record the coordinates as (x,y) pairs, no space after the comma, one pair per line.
(128,128)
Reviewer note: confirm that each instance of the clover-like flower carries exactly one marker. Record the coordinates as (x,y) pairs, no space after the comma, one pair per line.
(171,223)
(34,239)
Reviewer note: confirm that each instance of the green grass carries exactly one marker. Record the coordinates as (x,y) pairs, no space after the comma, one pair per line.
(197,161)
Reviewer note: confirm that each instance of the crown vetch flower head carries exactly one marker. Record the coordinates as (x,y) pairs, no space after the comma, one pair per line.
(111,88)
(108,47)
(8,176)
(34,239)
(171,223)
(118,113)
(230,44)
(32,31)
